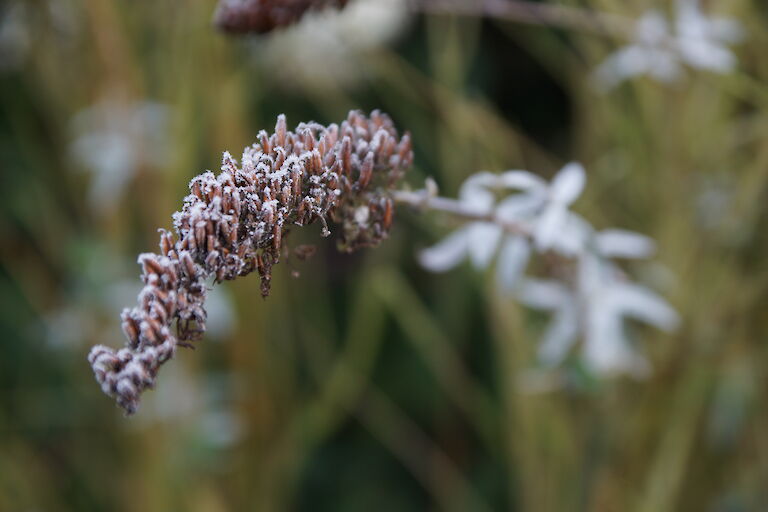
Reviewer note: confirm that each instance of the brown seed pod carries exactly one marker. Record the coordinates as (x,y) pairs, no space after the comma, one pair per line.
(130,327)
(366,171)
(389,211)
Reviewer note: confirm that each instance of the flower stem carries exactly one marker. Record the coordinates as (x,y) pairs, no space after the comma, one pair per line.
(425,200)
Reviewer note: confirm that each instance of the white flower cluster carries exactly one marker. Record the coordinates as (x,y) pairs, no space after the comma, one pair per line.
(533,216)
(660,49)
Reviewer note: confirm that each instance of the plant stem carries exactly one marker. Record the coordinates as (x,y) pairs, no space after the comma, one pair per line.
(534,13)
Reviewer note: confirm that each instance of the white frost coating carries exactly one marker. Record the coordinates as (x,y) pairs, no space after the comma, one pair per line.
(126,387)
(269,205)
(362,213)
(588,302)
(227,160)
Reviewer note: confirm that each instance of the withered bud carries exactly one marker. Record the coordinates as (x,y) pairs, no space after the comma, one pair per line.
(261,16)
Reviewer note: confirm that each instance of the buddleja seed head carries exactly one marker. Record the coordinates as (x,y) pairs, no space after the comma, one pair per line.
(261,16)
(237,223)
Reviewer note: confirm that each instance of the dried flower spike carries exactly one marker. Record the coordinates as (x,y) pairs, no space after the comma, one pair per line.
(261,16)
(237,222)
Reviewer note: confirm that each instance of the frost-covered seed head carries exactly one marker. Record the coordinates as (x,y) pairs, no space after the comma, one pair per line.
(237,223)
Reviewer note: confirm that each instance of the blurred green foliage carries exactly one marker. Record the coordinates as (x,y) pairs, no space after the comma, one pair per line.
(366,383)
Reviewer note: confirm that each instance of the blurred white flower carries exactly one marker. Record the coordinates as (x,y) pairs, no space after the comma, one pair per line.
(592,301)
(476,240)
(513,258)
(595,311)
(564,329)
(328,47)
(556,227)
(541,207)
(479,241)
(114,140)
(659,49)
(703,41)
(650,53)
(607,297)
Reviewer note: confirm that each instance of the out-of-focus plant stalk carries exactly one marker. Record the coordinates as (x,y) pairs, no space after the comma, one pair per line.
(535,14)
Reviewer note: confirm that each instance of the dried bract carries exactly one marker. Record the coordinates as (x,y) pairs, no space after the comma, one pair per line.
(237,222)
(261,16)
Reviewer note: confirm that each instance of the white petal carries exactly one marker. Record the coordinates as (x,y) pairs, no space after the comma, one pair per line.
(703,54)
(572,236)
(618,243)
(447,253)
(513,259)
(549,226)
(560,336)
(483,179)
(518,207)
(475,194)
(606,350)
(689,20)
(568,183)
(543,294)
(592,273)
(652,29)
(521,180)
(483,240)
(641,303)
(635,60)
(617,67)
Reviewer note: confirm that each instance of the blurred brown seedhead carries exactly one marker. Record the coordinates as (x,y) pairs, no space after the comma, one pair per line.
(261,16)
(237,222)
